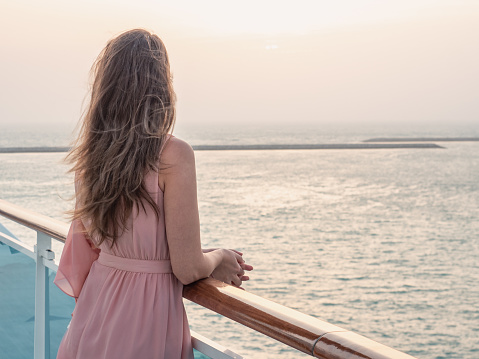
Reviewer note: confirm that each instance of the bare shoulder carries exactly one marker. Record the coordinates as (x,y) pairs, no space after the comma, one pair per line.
(177,152)
(177,158)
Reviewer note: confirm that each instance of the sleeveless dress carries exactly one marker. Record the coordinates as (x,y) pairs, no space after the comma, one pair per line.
(129,302)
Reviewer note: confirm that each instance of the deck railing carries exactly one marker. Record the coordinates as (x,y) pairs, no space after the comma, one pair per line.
(305,333)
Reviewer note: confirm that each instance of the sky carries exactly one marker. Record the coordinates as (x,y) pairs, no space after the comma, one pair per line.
(246,62)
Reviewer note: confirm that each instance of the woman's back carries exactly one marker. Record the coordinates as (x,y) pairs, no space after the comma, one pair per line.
(144,236)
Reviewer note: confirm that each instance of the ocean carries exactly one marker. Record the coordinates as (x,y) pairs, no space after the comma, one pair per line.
(383,242)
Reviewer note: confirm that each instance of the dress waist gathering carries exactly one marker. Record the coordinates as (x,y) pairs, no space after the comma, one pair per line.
(135,265)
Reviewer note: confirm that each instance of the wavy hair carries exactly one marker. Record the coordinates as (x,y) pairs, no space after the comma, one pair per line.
(125,126)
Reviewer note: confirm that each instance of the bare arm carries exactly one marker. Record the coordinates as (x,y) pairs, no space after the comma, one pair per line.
(188,261)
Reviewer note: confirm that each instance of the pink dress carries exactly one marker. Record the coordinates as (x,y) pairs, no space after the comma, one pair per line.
(129,301)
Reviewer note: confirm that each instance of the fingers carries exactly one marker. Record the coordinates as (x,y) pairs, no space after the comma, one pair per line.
(239,258)
(246,266)
(236,281)
(236,274)
(237,278)
(237,252)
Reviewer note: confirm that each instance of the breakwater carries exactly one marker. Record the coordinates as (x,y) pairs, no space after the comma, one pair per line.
(330,146)
(423,139)
(33,149)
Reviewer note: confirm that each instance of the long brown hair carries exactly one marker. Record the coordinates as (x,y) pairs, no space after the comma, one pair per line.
(130,113)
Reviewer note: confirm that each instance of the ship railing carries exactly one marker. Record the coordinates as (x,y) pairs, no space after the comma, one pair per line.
(303,332)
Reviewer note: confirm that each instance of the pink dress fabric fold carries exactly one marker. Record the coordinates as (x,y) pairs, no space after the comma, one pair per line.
(129,303)
(77,258)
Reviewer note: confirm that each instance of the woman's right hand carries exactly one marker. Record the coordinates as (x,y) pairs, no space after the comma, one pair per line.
(230,270)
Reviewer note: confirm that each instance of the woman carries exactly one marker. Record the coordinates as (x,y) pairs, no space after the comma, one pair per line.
(135,236)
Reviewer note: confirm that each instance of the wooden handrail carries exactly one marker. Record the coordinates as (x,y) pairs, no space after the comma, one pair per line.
(36,221)
(300,331)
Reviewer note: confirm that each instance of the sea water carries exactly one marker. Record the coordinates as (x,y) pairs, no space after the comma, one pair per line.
(380,242)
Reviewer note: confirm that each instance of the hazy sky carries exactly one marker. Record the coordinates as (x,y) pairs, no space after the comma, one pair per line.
(254,61)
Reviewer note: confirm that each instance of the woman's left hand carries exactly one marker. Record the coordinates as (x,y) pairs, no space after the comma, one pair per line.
(244,266)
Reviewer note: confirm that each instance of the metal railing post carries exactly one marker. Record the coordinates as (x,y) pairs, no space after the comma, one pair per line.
(42,306)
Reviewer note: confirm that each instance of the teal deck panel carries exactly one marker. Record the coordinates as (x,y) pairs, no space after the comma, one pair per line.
(17,305)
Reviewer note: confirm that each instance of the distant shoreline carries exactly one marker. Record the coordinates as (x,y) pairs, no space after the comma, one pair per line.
(331,146)
(33,149)
(423,139)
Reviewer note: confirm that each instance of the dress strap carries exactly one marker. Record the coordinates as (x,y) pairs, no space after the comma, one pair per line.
(135,265)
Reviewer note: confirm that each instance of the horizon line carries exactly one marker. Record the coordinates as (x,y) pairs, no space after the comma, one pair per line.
(257,147)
